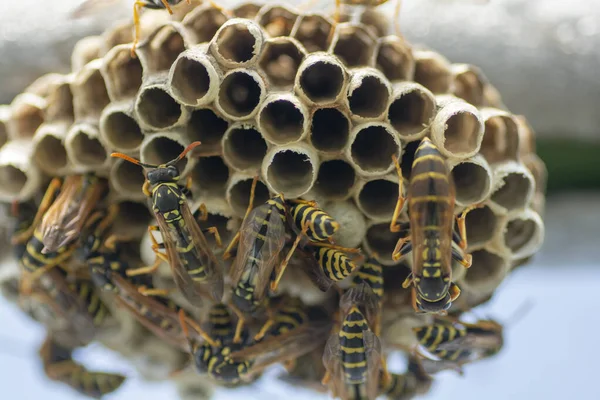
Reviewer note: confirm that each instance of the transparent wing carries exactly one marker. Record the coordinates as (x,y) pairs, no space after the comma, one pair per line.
(333,365)
(307,263)
(373,352)
(266,252)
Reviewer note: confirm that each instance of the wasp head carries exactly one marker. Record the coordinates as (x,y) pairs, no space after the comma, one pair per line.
(163,174)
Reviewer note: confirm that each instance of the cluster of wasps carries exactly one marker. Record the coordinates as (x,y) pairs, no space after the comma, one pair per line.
(72,260)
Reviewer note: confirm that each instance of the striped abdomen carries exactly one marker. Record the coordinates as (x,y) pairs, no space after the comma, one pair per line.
(352,346)
(221,324)
(95,307)
(431,336)
(33,259)
(372,273)
(286,319)
(335,264)
(93,384)
(320,225)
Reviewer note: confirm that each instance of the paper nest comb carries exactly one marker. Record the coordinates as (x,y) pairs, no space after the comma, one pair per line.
(266,91)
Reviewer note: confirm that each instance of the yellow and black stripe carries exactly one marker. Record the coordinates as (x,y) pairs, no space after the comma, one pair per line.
(95,307)
(320,226)
(33,258)
(352,347)
(335,264)
(220,323)
(371,272)
(432,336)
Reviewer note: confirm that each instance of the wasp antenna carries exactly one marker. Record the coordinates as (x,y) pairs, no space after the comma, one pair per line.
(132,160)
(190,147)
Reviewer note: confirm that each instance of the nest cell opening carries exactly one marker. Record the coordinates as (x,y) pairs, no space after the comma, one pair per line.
(462,133)
(335,180)
(94,93)
(239,195)
(487,268)
(190,80)
(291,173)
(411,113)
(128,176)
(472,182)
(236,43)
(313,32)
(281,121)
(12,180)
(124,74)
(122,131)
(501,139)
(514,193)
(60,103)
(373,148)
(322,81)
(381,241)
(433,74)
(27,119)
(244,148)
(370,98)
(206,126)
(247,11)
(161,150)
(219,222)
(204,24)
(157,108)
(354,46)
(166,45)
(480,225)
(519,233)
(88,150)
(278,21)
(50,154)
(280,61)
(132,216)
(378,198)
(469,87)
(240,94)
(330,130)
(395,61)
(210,174)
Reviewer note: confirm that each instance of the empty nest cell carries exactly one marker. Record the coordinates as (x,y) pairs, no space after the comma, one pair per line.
(522,234)
(127,179)
(330,130)
(238,194)
(313,31)
(161,49)
(60,102)
(457,129)
(486,272)
(291,169)
(244,147)
(480,225)
(240,94)
(210,174)
(277,20)
(237,43)
(207,127)
(472,180)
(120,130)
(368,94)
(377,198)
(411,110)
(132,219)
(122,73)
(380,241)
(283,119)
(515,187)
(159,149)
(50,154)
(372,147)
(353,44)
(321,79)
(501,137)
(157,109)
(395,59)
(90,95)
(27,114)
(203,22)
(432,70)
(12,181)
(335,180)
(469,83)
(247,10)
(84,147)
(193,78)
(280,59)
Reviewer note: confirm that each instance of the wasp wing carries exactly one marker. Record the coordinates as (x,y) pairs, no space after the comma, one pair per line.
(332,360)
(307,263)
(262,237)
(373,353)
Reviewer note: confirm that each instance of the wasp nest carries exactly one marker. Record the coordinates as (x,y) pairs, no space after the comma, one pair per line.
(316,109)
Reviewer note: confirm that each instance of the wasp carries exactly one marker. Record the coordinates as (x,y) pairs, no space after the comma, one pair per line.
(212,356)
(415,381)
(430,234)
(59,366)
(195,268)
(316,224)
(371,272)
(352,356)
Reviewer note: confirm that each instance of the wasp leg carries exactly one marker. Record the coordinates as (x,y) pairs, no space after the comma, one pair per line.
(462,230)
(47,201)
(394,225)
(227,252)
(112,242)
(137,6)
(454,291)
(408,281)
(237,338)
(202,213)
(263,331)
(215,232)
(146,186)
(167,6)
(159,256)
(154,292)
(413,298)
(387,377)
(397,17)
(460,256)
(284,264)
(326,378)
(403,247)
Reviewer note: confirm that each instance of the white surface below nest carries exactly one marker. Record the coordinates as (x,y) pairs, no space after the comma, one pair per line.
(549,354)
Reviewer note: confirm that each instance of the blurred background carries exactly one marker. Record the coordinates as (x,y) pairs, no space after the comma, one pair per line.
(544,57)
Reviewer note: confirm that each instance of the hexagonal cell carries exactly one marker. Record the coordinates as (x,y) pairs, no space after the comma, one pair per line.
(50,154)
(432,70)
(26,116)
(203,22)
(237,43)
(84,148)
(335,180)
(515,187)
(277,20)
(330,130)
(162,49)
(411,110)
(368,94)
(208,127)
(283,119)
(321,79)
(238,194)
(291,169)
(381,241)
(157,109)
(123,73)
(395,59)
(469,83)
(472,180)
(127,179)
(280,60)
(377,198)
(354,45)
(487,271)
(90,95)
(372,147)
(210,174)
(501,136)
(159,149)
(246,10)
(480,225)
(240,94)
(120,130)
(313,31)
(244,147)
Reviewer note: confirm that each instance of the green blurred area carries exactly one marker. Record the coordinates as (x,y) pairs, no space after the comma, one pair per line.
(572,165)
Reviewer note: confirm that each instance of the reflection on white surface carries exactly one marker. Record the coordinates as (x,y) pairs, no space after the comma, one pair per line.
(550,354)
